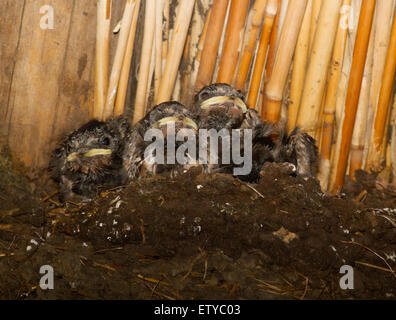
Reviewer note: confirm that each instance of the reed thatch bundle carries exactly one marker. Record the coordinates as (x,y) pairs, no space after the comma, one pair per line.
(293,58)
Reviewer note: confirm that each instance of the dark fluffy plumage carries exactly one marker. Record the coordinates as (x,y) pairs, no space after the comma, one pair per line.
(89,157)
(135,165)
(225,115)
(269,142)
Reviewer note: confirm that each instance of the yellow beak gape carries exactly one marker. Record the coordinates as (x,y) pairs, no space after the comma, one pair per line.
(222,99)
(90,153)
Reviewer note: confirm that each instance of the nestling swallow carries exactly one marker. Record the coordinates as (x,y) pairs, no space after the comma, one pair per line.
(90,157)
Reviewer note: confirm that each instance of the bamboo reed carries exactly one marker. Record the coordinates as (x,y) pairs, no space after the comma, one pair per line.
(165,33)
(158,46)
(185,69)
(281,20)
(358,136)
(235,27)
(383,27)
(119,59)
(270,61)
(315,78)
(150,76)
(383,14)
(102,56)
(299,68)
(211,46)
(123,84)
(198,58)
(189,67)
(331,94)
(342,90)
(147,46)
(270,13)
(221,45)
(384,100)
(175,53)
(316,6)
(253,33)
(284,54)
(393,140)
(354,86)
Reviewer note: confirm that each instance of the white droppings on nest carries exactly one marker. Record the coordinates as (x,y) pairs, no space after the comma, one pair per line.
(333,248)
(197,229)
(391,256)
(346,231)
(385,210)
(199,187)
(109,238)
(118,204)
(307,223)
(110,211)
(48,234)
(28,248)
(101,224)
(115,200)
(34,242)
(183,220)
(84,244)
(115,222)
(126,227)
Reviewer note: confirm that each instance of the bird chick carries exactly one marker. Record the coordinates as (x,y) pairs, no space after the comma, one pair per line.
(220,107)
(140,155)
(88,158)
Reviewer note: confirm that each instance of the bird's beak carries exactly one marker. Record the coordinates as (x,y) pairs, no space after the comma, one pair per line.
(90,153)
(222,99)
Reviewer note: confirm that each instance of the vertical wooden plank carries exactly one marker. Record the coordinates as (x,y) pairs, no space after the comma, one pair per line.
(35,85)
(10,24)
(74,105)
(46,87)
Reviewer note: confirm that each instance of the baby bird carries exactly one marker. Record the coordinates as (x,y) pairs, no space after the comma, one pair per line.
(220,106)
(90,157)
(140,155)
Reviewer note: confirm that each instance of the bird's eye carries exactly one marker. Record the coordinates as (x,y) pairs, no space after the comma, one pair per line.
(204,96)
(105,141)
